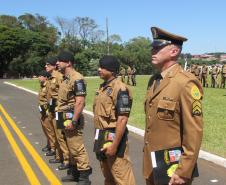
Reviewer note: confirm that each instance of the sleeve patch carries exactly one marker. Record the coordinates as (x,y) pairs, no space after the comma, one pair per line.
(123,102)
(79,88)
(195,93)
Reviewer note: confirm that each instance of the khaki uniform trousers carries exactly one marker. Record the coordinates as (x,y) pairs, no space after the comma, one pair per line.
(214,81)
(150,181)
(48,131)
(204,80)
(129,79)
(75,143)
(118,171)
(62,151)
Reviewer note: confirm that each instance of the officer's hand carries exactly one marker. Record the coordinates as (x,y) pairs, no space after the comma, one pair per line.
(109,150)
(69,126)
(175,180)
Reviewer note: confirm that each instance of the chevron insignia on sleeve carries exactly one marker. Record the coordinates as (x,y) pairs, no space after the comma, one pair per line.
(196,108)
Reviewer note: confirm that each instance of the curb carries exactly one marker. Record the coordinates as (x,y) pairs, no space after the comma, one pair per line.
(202,154)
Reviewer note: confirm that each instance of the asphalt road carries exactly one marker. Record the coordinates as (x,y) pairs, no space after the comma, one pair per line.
(22,108)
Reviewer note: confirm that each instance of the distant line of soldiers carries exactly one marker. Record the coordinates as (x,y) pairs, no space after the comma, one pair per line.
(202,71)
(131,75)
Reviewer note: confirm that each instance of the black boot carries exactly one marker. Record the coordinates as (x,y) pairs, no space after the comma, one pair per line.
(84,177)
(46,148)
(72,175)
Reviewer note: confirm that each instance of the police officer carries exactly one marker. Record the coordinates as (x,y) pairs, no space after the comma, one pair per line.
(133,77)
(223,76)
(43,108)
(205,72)
(173,109)
(192,69)
(71,101)
(123,73)
(61,152)
(129,75)
(111,109)
(197,72)
(214,74)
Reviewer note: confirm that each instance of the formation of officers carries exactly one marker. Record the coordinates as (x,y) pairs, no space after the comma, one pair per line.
(131,75)
(173,108)
(215,71)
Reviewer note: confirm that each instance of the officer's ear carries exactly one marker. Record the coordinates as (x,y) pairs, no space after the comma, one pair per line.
(175,51)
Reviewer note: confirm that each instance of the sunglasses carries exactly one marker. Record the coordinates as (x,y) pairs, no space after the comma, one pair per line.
(159,43)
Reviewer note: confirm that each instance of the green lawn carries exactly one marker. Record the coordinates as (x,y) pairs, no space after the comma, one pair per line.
(214,106)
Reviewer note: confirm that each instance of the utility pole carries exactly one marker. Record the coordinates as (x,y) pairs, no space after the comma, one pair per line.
(186,62)
(107,36)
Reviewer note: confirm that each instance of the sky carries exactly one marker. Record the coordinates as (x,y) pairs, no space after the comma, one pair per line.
(203,22)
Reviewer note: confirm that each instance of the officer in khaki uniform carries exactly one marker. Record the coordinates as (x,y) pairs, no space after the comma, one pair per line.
(43,108)
(71,101)
(129,75)
(123,73)
(192,69)
(205,72)
(223,76)
(197,72)
(111,108)
(62,152)
(133,77)
(214,74)
(173,109)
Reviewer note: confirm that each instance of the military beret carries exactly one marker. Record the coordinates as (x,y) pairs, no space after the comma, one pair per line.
(51,60)
(162,38)
(110,63)
(44,73)
(66,56)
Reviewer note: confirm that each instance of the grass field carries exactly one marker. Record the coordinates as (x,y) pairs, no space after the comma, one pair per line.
(214,108)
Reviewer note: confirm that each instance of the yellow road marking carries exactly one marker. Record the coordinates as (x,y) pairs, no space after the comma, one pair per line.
(21,158)
(39,161)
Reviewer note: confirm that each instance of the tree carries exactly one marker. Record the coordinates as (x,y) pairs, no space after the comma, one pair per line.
(10,21)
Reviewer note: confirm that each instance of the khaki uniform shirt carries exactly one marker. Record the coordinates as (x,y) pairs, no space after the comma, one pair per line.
(215,70)
(55,81)
(66,96)
(122,71)
(174,118)
(224,70)
(42,94)
(129,71)
(205,70)
(54,84)
(104,106)
(197,71)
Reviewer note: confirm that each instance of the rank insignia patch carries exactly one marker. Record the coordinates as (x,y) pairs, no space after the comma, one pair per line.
(195,93)
(196,108)
(109,91)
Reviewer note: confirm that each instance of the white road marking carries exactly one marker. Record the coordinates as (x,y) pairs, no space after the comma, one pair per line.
(214,180)
(23,127)
(30,134)
(37,143)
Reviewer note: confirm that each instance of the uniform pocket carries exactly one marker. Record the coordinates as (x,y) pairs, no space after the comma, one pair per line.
(166,110)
